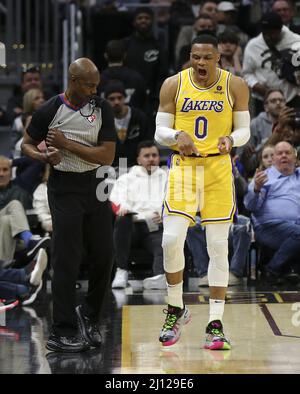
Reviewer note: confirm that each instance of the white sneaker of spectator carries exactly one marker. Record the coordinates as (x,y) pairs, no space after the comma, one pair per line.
(203,282)
(234,280)
(121,279)
(39,268)
(155,282)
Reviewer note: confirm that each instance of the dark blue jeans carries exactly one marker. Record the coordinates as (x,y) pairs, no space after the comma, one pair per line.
(13,283)
(284,238)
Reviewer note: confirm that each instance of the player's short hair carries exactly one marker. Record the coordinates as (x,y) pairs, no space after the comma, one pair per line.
(206,39)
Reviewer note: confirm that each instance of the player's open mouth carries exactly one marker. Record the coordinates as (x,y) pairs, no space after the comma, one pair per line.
(202,72)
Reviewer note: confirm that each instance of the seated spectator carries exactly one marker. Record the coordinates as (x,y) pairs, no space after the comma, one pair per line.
(267,155)
(274,200)
(27,172)
(181,14)
(13,220)
(261,66)
(138,198)
(32,100)
(239,243)
(131,124)
(203,23)
(285,8)
(134,83)
(227,18)
(25,283)
(261,129)
(287,128)
(210,8)
(231,52)
(30,79)
(41,205)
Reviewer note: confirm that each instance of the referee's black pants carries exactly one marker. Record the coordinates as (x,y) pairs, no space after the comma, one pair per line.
(79,219)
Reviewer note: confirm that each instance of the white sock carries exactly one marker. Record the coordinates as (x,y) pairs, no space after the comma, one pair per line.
(216,309)
(175,294)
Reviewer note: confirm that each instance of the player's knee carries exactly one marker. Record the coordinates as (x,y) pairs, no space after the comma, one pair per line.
(218,269)
(169,242)
(218,254)
(217,248)
(173,253)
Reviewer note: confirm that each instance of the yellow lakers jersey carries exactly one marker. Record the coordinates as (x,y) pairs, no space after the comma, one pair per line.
(204,113)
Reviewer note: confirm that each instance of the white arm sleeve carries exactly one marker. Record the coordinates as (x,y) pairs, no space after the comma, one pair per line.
(164,132)
(241,128)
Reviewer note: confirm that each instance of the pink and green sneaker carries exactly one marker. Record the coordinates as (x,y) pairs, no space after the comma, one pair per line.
(215,338)
(176,318)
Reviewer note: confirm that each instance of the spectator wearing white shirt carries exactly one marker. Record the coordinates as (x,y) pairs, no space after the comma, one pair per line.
(138,197)
(260,65)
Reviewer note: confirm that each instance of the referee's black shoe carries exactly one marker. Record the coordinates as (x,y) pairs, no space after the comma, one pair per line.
(89,330)
(67,344)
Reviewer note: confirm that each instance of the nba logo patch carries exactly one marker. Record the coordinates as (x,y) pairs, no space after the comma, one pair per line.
(219,87)
(177,162)
(91,118)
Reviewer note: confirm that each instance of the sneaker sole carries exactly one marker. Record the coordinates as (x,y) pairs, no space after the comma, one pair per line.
(119,287)
(32,298)
(218,345)
(154,287)
(7,307)
(173,341)
(40,266)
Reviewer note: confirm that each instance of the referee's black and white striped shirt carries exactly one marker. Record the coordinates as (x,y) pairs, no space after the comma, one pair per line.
(85,124)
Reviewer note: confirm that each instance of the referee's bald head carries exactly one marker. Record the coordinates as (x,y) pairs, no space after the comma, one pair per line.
(82,67)
(84,78)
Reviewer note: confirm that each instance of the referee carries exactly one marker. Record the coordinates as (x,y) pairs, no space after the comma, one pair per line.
(80,136)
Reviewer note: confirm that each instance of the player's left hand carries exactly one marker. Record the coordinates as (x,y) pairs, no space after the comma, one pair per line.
(224,145)
(56,138)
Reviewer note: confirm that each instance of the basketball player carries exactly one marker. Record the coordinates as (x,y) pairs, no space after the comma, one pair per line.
(203,113)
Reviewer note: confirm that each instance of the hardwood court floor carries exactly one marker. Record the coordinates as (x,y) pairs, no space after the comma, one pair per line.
(263,326)
(255,347)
